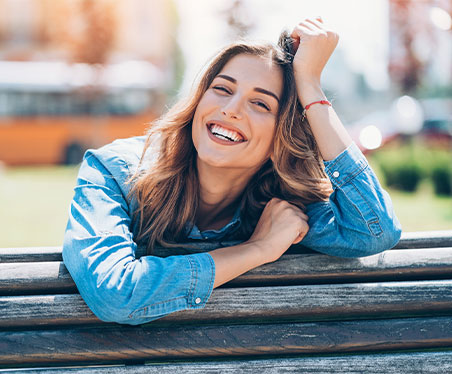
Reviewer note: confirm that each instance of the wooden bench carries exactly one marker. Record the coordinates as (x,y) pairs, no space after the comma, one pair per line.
(306,313)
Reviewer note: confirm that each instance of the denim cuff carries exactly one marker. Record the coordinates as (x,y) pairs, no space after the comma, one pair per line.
(202,279)
(346,166)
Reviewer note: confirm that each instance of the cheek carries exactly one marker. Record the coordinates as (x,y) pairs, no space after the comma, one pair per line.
(268,130)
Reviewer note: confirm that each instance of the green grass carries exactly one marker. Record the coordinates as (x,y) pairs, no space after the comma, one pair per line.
(422,210)
(34,206)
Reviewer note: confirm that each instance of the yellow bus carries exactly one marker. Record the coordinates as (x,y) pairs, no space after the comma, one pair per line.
(51,112)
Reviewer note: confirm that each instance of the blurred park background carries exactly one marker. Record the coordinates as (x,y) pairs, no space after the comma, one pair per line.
(76,74)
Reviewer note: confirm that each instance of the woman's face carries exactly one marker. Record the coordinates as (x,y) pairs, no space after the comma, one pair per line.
(234,123)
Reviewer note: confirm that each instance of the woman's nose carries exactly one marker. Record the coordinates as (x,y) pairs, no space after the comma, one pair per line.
(232,108)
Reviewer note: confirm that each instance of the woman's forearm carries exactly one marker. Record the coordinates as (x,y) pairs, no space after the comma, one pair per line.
(230,262)
(314,43)
(329,132)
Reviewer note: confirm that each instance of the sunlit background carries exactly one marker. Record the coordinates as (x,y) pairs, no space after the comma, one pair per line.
(76,74)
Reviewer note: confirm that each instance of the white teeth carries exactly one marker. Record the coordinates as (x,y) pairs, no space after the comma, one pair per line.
(221,132)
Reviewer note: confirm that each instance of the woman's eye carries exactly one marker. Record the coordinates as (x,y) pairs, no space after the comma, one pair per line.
(221,89)
(262,105)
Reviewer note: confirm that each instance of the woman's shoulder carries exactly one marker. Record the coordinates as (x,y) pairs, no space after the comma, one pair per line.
(118,159)
(126,152)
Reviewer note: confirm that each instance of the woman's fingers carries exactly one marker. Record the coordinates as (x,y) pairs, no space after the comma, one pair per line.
(302,215)
(326,186)
(315,24)
(309,28)
(303,230)
(299,218)
(281,224)
(306,25)
(285,204)
(313,45)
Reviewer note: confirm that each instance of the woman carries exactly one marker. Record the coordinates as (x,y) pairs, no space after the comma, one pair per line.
(230,179)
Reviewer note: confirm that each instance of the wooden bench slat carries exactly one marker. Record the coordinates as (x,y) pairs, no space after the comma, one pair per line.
(30,254)
(301,303)
(409,240)
(318,268)
(53,277)
(413,363)
(35,277)
(126,344)
(425,239)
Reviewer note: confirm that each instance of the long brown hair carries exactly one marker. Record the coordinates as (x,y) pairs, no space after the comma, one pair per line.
(166,191)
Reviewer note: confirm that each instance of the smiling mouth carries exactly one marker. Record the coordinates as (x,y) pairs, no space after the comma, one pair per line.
(225,134)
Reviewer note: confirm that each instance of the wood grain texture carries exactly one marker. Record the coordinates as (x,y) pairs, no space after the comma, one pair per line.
(412,363)
(317,268)
(30,254)
(52,277)
(132,344)
(300,303)
(409,240)
(22,278)
(304,304)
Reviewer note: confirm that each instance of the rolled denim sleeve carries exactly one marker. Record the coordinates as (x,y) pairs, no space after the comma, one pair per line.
(359,219)
(99,252)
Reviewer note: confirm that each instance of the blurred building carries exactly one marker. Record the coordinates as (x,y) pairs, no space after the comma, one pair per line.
(76,74)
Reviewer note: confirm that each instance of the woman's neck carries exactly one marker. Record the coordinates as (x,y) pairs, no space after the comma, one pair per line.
(220,193)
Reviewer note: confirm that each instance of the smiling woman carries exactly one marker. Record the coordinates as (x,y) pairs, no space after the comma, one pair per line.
(250,163)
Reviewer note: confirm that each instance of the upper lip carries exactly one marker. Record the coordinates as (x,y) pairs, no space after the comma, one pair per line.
(228,127)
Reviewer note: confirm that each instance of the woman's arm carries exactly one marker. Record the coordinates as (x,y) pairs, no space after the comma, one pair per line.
(99,251)
(358,220)
(314,45)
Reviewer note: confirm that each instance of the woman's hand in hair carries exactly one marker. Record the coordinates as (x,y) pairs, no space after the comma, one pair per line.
(280,225)
(313,45)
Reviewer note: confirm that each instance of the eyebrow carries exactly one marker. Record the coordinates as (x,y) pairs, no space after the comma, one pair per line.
(257,89)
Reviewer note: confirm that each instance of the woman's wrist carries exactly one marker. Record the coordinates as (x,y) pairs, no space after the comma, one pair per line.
(309,90)
(264,251)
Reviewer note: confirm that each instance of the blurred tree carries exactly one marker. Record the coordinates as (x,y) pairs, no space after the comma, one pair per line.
(178,58)
(89,34)
(404,66)
(412,42)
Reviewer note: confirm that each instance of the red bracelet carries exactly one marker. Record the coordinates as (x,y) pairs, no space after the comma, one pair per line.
(323,102)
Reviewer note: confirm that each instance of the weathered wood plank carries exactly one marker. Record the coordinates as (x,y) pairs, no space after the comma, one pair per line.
(412,363)
(35,277)
(30,254)
(425,239)
(300,303)
(317,268)
(53,277)
(129,344)
(409,240)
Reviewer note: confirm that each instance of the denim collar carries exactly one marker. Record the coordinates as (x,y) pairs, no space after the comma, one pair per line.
(228,229)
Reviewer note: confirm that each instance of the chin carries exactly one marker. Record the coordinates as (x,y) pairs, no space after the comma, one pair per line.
(215,161)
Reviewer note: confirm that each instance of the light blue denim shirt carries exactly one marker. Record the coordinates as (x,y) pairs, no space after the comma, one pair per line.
(122,285)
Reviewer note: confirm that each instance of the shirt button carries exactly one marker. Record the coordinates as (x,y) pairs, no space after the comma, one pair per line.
(197,300)
(335,174)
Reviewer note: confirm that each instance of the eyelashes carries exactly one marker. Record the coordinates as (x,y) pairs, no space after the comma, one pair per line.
(222,88)
(262,104)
